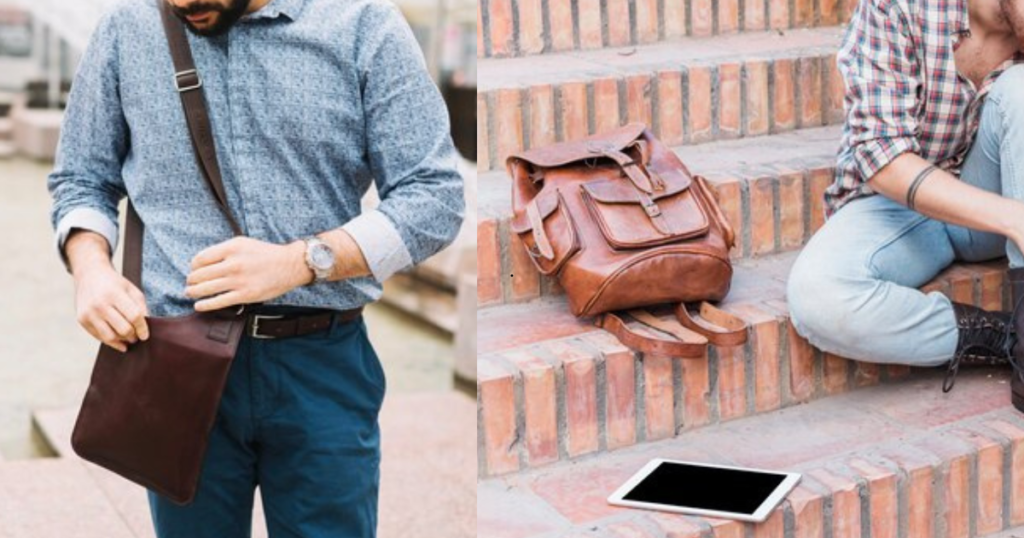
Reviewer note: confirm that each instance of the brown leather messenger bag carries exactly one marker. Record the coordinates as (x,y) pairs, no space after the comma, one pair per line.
(148,412)
(622,224)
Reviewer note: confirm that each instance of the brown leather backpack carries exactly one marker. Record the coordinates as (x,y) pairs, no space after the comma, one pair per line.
(623,224)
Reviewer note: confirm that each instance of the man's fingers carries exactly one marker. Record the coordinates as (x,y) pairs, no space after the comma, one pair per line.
(223,300)
(213,254)
(209,272)
(104,333)
(206,289)
(120,324)
(134,314)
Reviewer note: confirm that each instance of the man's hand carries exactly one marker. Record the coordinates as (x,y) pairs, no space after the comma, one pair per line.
(107,305)
(245,270)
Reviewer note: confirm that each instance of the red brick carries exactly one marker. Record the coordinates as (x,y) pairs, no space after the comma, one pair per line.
(497,408)
(658,397)
(670,107)
(531,27)
(803,13)
(820,178)
(480,30)
(573,99)
(560,13)
(883,501)
(539,406)
(606,104)
(773,527)
(509,123)
(1016,477)
(801,366)
(992,289)
(696,393)
(846,521)
(956,492)
(542,116)
(757,113)
(675,526)
(835,374)
(764,341)
(762,216)
(590,24)
(730,200)
(732,384)
(920,476)
(483,158)
(866,373)
(502,40)
(703,20)
(638,98)
(779,12)
(729,100)
(836,92)
(829,12)
(722,528)
(580,371)
(753,15)
(961,285)
(488,280)
(848,10)
(620,389)
(675,19)
(989,494)
(699,97)
(784,106)
(728,16)
(809,83)
(791,210)
(647,21)
(524,280)
(808,513)
(897,371)
(618,23)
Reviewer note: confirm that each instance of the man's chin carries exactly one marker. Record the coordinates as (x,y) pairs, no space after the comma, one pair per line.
(207,29)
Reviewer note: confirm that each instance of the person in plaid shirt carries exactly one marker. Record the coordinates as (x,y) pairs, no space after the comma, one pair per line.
(930,170)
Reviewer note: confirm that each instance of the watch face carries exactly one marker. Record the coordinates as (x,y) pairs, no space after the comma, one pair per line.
(322,256)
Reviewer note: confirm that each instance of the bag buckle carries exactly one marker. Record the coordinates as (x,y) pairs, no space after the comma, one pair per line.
(255,332)
(651,208)
(187,85)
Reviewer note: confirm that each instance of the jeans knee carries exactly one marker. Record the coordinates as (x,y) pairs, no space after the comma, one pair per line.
(826,307)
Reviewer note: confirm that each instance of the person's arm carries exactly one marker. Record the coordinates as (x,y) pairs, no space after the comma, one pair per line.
(882,73)
(415,168)
(86,187)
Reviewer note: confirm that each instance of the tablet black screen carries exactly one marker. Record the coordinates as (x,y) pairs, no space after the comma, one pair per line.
(707,488)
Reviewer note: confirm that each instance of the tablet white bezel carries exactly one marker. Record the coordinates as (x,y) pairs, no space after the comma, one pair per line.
(789,481)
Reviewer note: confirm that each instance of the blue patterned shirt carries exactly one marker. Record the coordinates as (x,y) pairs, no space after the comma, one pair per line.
(310,101)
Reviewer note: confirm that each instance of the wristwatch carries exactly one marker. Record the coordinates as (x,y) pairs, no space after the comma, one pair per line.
(319,259)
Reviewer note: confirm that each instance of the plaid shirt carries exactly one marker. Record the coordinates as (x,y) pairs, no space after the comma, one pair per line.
(903,91)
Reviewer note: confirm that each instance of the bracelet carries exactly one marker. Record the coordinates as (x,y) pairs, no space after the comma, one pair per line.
(916,184)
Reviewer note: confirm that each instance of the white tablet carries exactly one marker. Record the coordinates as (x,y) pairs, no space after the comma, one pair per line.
(705,490)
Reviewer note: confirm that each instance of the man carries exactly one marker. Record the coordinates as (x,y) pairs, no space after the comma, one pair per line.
(309,102)
(930,170)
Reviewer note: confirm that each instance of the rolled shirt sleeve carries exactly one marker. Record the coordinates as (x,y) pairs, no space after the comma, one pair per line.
(86,184)
(411,155)
(882,75)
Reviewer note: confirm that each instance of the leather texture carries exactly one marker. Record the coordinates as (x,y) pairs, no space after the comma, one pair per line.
(622,224)
(148,412)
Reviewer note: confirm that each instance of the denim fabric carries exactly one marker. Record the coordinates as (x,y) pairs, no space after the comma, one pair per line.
(853,289)
(310,103)
(299,419)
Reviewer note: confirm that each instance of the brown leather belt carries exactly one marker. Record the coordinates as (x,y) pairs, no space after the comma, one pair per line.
(270,326)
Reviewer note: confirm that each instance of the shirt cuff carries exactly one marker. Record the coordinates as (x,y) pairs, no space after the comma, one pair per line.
(383,247)
(85,218)
(873,155)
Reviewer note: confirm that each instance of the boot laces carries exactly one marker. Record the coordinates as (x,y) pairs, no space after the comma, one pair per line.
(987,339)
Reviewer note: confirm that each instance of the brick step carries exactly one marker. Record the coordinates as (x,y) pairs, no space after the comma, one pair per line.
(553,387)
(49,498)
(428,473)
(690,92)
(530,27)
(769,187)
(901,460)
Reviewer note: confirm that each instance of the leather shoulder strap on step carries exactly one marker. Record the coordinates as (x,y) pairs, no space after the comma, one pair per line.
(691,335)
(718,326)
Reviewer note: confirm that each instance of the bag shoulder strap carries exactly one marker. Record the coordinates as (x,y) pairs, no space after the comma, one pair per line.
(690,336)
(190,89)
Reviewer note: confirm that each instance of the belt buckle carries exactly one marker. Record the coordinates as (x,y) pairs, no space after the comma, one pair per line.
(256,326)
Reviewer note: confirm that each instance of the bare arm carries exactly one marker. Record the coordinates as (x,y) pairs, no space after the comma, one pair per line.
(943,197)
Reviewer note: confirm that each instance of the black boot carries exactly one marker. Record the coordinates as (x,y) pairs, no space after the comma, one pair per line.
(1016,277)
(986,339)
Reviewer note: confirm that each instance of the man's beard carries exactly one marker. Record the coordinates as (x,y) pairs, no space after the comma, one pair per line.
(1013,12)
(226,16)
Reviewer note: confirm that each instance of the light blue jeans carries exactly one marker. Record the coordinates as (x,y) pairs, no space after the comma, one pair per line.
(853,289)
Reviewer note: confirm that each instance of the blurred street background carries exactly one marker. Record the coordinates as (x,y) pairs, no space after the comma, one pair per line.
(424,330)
